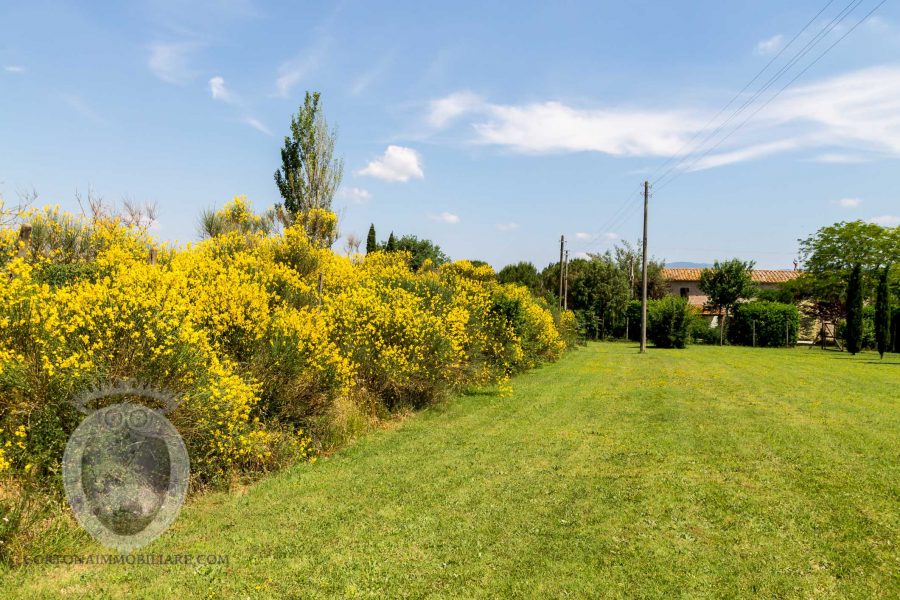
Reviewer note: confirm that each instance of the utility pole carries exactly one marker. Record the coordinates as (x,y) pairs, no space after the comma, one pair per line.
(562,243)
(644,273)
(566,282)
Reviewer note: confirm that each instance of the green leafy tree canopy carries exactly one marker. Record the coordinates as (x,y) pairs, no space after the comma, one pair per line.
(725,284)
(310,174)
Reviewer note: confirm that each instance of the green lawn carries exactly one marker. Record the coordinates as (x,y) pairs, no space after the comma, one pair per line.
(707,472)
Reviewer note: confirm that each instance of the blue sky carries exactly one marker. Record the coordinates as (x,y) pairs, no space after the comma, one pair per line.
(491,128)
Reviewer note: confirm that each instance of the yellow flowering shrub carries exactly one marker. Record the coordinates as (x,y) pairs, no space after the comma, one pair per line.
(259,335)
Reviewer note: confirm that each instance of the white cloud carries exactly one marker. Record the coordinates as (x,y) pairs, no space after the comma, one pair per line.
(444,110)
(81,106)
(878,23)
(446,217)
(842,119)
(751,152)
(356,194)
(555,127)
(294,71)
(860,108)
(170,61)
(219,91)
(770,45)
(256,124)
(848,202)
(840,159)
(608,236)
(507,226)
(397,164)
(886,220)
(365,79)
(15,69)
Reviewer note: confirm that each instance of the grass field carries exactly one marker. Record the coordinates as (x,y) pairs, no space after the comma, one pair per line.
(707,472)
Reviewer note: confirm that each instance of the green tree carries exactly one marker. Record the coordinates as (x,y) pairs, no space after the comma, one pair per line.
(854,330)
(420,251)
(669,322)
(725,285)
(883,313)
(629,258)
(523,273)
(599,290)
(371,241)
(830,255)
(391,245)
(309,174)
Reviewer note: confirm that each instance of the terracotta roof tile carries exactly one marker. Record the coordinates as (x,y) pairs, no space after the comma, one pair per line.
(758,275)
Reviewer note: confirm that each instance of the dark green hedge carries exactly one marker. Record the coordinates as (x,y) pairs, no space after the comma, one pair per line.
(776,324)
(669,322)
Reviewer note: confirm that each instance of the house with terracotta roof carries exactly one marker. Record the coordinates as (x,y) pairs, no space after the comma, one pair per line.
(686,283)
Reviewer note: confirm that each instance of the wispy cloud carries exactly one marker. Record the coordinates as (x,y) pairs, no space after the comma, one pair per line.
(750,152)
(356,195)
(170,62)
(840,159)
(397,164)
(256,124)
(219,91)
(886,220)
(770,45)
(14,69)
(858,111)
(365,79)
(507,226)
(608,236)
(292,72)
(848,202)
(446,217)
(444,110)
(554,127)
(77,103)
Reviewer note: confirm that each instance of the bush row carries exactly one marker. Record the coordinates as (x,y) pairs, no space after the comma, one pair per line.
(764,323)
(264,338)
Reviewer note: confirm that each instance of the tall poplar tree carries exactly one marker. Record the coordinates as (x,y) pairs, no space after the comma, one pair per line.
(883,313)
(309,174)
(854,332)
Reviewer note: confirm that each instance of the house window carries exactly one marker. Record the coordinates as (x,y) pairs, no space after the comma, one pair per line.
(685,292)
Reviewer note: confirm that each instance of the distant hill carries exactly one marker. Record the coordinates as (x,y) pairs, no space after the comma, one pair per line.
(688,265)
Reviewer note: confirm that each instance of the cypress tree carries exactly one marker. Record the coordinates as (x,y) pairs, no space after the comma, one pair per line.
(391,243)
(371,243)
(854,311)
(883,314)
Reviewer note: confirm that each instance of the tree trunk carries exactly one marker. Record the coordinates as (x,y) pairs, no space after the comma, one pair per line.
(722,328)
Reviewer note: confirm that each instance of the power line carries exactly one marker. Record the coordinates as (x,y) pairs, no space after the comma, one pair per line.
(778,93)
(799,55)
(743,89)
(624,208)
(629,206)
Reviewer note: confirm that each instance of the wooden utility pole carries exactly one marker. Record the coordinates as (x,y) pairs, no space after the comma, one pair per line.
(566,282)
(562,243)
(644,273)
